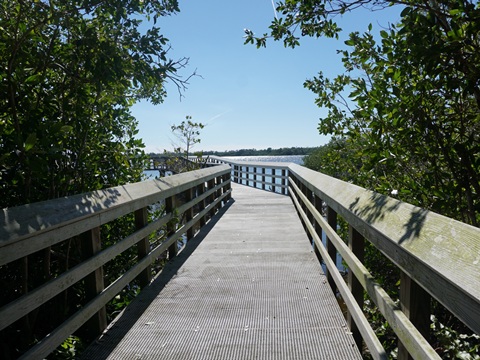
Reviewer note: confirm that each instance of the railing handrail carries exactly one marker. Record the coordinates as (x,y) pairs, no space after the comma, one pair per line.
(439,253)
(260,164)
(30,228)
(21,223)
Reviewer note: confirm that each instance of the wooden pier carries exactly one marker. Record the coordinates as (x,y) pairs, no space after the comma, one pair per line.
(248,284)
(251,289)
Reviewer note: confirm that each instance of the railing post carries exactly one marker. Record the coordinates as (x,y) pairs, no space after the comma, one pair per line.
(171,227)
(211,198)
(143,246)
(189,213)
(274,188)
(356,243)
(302,189)
(309,195)
(94,283)
(201,204)
(332,252)
(284,182)
(218,181)
(318,228)
(227,186)
(235,174)
(415,303)
(263,178)
(255,177)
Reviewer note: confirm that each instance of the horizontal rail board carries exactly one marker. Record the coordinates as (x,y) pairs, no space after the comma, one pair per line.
(47,345)
(415,343)
(33,299)
(376,349)
(35,227)
(56,220)
(439,253)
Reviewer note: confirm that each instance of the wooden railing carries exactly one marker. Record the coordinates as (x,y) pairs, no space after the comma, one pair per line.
(272,176)
(37,227)
(437,256)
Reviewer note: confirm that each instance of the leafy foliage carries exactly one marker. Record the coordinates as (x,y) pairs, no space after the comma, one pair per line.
(410,98)
(71,71)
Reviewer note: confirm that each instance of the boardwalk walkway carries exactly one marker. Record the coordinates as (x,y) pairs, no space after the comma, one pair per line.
(249,287)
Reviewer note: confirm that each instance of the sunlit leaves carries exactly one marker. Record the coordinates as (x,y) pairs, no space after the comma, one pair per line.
(70,73)
(410,95)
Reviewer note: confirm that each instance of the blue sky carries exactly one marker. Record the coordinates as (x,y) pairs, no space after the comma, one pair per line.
(247,97)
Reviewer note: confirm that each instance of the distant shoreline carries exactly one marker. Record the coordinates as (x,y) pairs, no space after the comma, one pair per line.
(264,152)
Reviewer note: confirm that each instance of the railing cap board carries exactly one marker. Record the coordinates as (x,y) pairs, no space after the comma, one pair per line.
(438,252)
(89,210)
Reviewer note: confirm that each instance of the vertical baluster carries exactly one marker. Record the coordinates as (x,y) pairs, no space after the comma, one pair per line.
(274,188)
(143,246)
(189,213)
(284,182)
(332,252)
(211,198)
(219,191)
(318,229)
(227,186)
(201,204)
(263,178)
(415,303)
(309,214)
(171,227)
(309,194)
(94,284)
(356,243)
(255,177)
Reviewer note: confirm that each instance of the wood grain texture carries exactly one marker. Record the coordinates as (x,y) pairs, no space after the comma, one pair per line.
(56,220)
(441,254)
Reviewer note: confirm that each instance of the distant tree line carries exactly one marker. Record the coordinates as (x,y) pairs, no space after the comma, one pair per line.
(265,152)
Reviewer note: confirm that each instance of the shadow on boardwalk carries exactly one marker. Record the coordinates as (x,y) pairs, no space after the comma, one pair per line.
(127,319)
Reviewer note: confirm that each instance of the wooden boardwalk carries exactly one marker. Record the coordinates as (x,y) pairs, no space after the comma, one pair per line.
(247,287)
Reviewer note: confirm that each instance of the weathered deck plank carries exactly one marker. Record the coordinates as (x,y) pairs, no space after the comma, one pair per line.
(249,287)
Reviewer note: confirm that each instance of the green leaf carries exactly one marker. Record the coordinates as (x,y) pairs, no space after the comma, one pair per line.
(66,129)
(405,12)
(32,78)
(30,142)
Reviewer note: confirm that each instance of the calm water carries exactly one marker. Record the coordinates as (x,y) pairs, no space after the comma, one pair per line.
(297,159)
